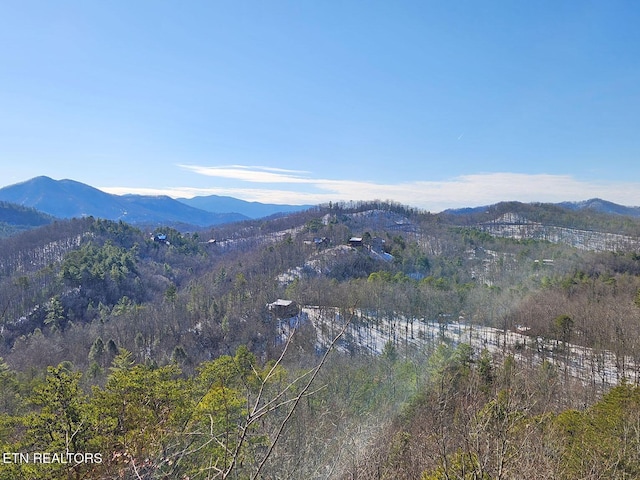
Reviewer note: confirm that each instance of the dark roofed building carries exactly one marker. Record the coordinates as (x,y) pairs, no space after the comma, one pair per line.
(283,308)
(355,241)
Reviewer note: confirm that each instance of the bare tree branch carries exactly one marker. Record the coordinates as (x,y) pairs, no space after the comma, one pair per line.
(299,397)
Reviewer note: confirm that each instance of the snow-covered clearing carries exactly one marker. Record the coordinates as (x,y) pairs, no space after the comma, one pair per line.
(368,333)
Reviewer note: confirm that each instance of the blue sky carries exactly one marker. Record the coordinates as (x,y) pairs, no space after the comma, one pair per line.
(431,104)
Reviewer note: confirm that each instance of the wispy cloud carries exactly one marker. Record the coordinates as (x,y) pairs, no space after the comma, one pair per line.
(251,174)
(299,187)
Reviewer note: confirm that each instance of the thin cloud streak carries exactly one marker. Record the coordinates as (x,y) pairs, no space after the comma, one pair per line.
(435,196)
(251,174)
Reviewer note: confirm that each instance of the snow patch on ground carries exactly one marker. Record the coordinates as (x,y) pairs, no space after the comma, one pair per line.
(368,333)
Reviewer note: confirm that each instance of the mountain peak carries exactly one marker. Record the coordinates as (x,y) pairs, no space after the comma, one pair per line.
(69,198)
(602,206)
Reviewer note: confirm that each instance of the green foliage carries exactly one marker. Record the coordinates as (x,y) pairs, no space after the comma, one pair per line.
(139,410)
(461,466)
(112,348)
(179,355)
(182,244)
(145,417)
(390,352)
(603,441)
(171,294)
(105,273)
(314,225)
(123,360)
(449,363)
(95,264)
(563,324)
(473,236)
(96,353)
(10,400)
(486,369)
(218,415)
(124,306)
(384,276)
(55,314)
(440,283)
(121,233)
(60,422)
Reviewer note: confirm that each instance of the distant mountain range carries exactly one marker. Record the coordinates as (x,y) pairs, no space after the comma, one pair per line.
(215,203)
(602,206)
(596,205)
(40,200)
(68,199)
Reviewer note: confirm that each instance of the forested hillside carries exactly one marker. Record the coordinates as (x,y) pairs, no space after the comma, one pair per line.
(15,219)
(318,345)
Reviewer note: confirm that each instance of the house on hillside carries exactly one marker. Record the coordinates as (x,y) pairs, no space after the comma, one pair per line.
(318,242)
(283,308)
(356,242)
(161,238)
